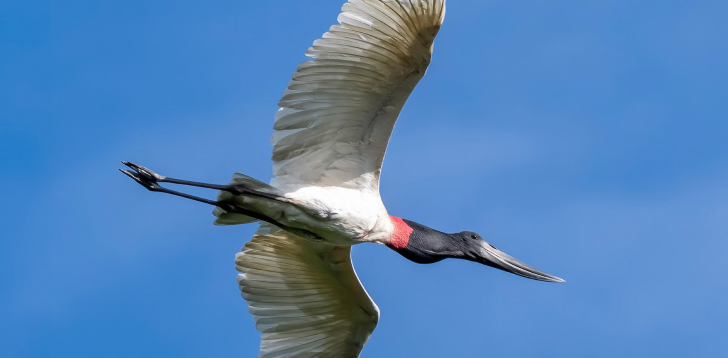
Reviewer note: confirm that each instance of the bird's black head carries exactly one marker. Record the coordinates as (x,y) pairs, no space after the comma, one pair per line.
(424,245)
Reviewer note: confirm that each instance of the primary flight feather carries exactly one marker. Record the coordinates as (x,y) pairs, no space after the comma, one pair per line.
(331,134)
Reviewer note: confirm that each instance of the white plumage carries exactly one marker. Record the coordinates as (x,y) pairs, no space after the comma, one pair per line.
(305,297)
(338,111)
(330,137)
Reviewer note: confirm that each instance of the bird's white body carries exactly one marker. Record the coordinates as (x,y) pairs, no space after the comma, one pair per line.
(339,216)
(348,216)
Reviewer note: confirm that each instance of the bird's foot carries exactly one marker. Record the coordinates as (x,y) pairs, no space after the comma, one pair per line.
(144,176)
(145,173)
(150,185)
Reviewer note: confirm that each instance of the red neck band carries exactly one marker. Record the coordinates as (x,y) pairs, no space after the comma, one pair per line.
(400,235)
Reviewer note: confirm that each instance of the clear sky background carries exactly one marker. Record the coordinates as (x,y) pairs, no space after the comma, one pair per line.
(587,138)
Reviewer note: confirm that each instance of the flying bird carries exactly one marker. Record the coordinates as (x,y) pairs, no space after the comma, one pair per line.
(331,134)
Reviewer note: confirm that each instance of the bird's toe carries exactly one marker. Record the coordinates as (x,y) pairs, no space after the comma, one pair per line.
(144,172)
(150,185)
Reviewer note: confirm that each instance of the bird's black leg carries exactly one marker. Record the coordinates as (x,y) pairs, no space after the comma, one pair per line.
(152,184)
(150,176)
(151,180)
(230,188)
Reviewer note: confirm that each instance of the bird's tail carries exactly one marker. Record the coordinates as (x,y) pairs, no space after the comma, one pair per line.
(225,218)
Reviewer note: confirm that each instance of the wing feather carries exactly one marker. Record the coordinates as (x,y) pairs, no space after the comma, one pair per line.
(339,109)
(304,297)
(332,129)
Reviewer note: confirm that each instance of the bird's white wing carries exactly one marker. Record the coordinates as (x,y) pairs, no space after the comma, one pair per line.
(338,112)
(333,127)
(305,297)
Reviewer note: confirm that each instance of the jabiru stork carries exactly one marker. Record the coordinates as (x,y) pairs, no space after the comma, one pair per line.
(331,134)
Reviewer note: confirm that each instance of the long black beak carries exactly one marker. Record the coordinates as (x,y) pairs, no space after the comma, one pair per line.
(489,255)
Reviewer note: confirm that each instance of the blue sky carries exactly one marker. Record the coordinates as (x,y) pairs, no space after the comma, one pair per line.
(585,138)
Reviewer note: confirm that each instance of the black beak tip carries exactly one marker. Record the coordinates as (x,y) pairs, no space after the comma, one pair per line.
(544,277)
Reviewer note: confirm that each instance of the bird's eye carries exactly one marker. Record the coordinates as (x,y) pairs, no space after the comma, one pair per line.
(474,237)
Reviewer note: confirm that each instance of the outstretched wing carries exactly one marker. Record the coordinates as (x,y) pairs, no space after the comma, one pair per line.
(338,112)
(333,127)
(305,297)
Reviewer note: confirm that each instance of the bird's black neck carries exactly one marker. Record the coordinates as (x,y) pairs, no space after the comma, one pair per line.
(421,244)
